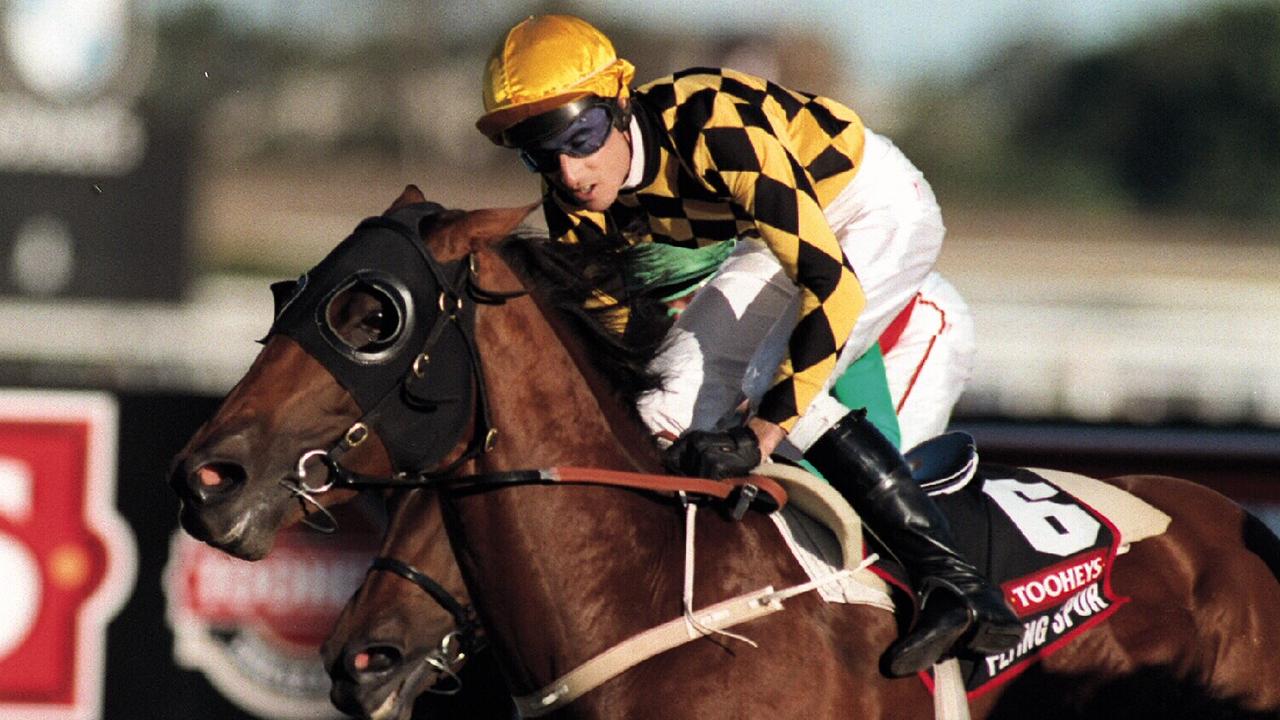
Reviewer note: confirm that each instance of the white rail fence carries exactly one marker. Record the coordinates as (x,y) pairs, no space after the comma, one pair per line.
(1125,349)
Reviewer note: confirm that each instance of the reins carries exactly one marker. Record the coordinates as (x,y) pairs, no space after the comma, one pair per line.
(744,491)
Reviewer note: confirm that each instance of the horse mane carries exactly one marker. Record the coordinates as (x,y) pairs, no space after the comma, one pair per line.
(571,277)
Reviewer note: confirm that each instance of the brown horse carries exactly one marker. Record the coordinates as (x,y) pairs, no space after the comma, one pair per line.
(560,573)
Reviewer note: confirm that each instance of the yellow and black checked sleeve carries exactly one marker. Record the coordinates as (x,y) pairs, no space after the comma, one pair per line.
(743,153)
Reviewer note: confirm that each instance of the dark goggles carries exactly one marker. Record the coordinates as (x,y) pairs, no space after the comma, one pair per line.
(584,135)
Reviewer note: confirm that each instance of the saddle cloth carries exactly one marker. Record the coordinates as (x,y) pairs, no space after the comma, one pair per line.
(1048,538)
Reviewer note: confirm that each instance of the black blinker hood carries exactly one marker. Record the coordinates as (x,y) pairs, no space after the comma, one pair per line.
(418,418)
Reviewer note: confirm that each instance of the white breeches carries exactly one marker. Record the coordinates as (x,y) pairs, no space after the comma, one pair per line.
(727,344)
(931,361)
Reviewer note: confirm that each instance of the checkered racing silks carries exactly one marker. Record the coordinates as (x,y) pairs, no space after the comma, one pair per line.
(732,155)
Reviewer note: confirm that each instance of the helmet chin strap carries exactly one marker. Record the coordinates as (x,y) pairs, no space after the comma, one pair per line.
(635,150)
(622,119)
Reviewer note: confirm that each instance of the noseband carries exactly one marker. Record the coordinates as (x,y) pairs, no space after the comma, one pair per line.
(455,647)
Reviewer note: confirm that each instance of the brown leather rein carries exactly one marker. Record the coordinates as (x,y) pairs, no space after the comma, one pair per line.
(766,492)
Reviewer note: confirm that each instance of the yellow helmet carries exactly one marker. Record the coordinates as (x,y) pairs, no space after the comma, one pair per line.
(544,63)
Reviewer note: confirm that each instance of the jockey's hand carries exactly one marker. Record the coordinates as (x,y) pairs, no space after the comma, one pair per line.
(714,454)
(768,434)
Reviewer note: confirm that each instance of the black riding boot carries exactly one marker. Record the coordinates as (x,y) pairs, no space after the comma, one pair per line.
(870,472)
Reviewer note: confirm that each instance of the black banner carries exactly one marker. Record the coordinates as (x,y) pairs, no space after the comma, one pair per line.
(93,189)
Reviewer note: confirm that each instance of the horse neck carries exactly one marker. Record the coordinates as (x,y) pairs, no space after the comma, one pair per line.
(415,533)
(551,407)
(550,404)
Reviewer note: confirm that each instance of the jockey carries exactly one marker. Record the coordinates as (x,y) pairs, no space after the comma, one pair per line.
(705,156)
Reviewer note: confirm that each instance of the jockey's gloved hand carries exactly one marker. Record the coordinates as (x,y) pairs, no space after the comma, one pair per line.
(714,453)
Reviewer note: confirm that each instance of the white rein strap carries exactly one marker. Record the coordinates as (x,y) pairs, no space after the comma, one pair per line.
(950,702)
(692,626)
(674,633)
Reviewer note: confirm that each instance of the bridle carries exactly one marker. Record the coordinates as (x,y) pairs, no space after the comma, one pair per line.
(420,389)
(454,647)
(425,376)
(458,316)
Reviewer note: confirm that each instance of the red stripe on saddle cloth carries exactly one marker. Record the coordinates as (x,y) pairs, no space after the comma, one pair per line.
(669,483)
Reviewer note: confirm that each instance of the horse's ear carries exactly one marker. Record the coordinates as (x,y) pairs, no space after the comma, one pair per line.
(494,223)
(410,196)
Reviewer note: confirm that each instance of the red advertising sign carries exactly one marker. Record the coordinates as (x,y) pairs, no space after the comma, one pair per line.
(67,558)
(255,628)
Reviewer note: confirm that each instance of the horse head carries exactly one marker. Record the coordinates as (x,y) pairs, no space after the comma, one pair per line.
(310,415)
(409,626)
(335,370)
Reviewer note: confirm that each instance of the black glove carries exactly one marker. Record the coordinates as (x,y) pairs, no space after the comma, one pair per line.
(714,454)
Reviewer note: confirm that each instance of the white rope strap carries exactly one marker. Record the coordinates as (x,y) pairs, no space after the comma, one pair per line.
(686,599)
(641,647)
(950,702)
(674,633)
(692,626)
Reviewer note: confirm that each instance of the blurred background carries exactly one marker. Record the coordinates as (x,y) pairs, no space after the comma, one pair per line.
(1109,173)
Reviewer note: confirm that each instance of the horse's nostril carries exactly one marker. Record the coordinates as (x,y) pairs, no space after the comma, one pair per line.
(213,480)
(373,660)
(209,477)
